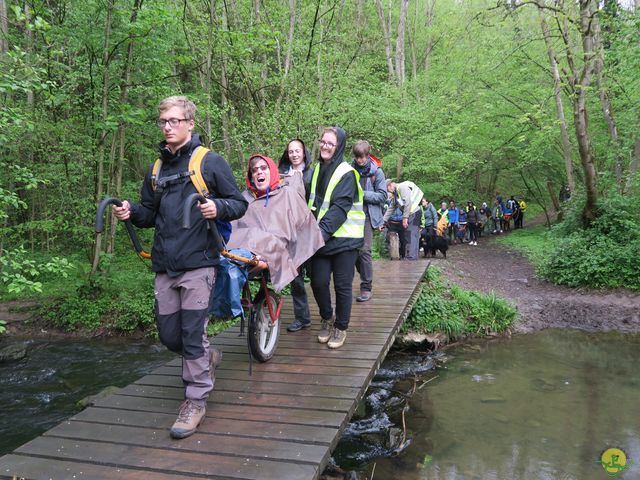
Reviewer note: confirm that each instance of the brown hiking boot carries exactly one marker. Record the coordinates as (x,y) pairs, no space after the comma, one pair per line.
(325,330)
(190,416)
(337,338)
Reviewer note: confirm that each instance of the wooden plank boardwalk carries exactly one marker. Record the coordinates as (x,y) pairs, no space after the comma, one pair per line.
(280,423)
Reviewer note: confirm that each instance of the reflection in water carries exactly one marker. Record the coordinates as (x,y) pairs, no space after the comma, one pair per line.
(40,391)
(538,406)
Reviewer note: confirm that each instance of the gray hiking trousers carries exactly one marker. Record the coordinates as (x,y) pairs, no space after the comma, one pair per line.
(182,304)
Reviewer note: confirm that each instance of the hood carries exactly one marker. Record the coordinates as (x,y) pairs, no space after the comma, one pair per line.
(167,156)
(338,156)
(284,164)
(274,177)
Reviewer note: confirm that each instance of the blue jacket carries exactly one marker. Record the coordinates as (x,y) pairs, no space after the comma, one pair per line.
(453,215)
(374,188)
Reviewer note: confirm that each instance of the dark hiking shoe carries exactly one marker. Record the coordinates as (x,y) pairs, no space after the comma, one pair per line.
(364,296)
(190,417)
(298,325)
(337,338)
(325,330)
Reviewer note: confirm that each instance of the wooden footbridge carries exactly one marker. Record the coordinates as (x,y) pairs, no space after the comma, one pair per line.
(280,423)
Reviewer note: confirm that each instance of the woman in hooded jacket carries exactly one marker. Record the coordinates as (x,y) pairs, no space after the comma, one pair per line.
(336,199)
(277,226)
(296,158)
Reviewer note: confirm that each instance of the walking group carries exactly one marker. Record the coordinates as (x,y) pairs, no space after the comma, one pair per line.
(296,218)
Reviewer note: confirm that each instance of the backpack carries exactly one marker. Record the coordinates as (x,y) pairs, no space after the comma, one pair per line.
(195,175)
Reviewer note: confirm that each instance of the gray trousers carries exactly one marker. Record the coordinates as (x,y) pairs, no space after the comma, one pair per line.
(182,303)
(364,263)
(413,235)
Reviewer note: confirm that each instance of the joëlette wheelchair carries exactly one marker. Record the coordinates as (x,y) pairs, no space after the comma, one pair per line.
(263,308)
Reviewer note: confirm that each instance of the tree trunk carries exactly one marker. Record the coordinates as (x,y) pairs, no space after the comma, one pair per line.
(412,43)
(290,36)
(121,135)
(4,28)
(402,25)
(429,24)
(557,90)
(105,115)
(606,103)
(386,35)
(224,101)
(633,166)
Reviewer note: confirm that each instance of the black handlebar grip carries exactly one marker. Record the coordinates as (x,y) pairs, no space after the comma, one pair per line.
(127,223)
(100,213)
(186,219)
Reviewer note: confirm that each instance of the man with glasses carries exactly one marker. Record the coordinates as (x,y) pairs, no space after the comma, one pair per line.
(184,260)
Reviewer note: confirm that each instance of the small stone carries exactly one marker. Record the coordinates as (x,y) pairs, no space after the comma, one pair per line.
(13,353)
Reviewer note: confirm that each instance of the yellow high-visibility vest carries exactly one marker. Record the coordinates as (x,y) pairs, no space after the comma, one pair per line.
(353,226)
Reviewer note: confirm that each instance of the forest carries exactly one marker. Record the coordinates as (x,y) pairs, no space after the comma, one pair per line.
(467,98)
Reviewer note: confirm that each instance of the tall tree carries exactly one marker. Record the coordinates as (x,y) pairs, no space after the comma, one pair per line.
(557,92)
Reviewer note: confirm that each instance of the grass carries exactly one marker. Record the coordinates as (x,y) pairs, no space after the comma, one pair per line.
(441,308)
(531,241)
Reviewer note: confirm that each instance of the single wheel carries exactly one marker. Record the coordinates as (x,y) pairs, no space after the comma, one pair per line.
(263,334)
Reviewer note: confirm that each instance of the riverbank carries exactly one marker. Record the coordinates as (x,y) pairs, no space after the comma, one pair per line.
(492,267)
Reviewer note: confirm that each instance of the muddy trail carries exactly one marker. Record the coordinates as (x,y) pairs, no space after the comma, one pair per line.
(490,266)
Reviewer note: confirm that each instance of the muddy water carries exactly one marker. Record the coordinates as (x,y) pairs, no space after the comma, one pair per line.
(537,406)
(42,390)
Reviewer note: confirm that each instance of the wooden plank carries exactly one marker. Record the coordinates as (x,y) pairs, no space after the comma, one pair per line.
(290,444)
(185,463)
(244,398)
(281,422)
(282,368)
(273,414)
(21,466)
(286,385)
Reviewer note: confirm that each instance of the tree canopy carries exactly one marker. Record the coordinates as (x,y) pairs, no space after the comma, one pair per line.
(468,99)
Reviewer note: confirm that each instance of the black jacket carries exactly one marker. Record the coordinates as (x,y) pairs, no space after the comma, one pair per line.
(285,164)
(175,249)
(342,199)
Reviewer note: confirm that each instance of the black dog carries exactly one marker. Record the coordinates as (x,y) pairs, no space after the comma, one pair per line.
(431,243)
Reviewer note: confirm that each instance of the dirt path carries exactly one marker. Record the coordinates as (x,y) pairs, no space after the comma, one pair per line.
(489,266)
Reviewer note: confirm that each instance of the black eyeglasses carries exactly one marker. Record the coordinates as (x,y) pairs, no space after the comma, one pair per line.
(173,122)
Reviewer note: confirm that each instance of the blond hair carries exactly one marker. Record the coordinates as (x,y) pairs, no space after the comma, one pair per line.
(188,107)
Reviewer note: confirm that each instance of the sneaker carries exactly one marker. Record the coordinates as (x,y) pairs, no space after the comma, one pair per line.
(190,416)
(325,330)
(298,325)
(214,361)
(364,296)
(337,338)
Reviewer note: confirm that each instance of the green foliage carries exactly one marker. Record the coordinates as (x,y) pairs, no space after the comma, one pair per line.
(457,312)
(19,272)
(606,255)
(3,327)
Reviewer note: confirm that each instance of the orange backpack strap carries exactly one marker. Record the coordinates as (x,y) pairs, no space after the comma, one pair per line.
(195,169)
(155,170)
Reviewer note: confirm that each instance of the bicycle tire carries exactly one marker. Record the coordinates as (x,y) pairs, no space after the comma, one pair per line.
(262,334)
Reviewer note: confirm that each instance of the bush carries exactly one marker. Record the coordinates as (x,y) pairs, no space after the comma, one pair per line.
(457,312)
(606,255)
